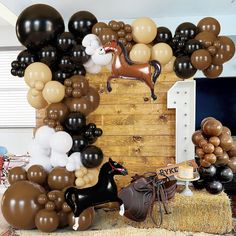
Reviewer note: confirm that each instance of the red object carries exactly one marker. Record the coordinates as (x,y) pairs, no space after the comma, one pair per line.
(1,167)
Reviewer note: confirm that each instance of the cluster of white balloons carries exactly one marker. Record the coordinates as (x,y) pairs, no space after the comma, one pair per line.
(93,47)
(50,148)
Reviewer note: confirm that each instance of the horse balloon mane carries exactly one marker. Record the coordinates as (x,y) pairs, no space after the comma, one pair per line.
(104,191)
(123,67)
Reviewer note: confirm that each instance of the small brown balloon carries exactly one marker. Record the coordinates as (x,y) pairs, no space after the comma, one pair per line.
(222,160)
(212,50)
(204,163)
(208,148)
(128,28)
(16,174)
(122,24)
(85,219)
(206,38)
(201,59)
(210,157)
(202,142)
(212,127)
(200,153)
(52,195)
(232,151)
(115,26)
(129,37)
(37,174)
(60,109)
(63,219)
(106,35)
(206,119)
(123,41)
(209,24)
(232,164)
(214,140)
(226,130)
(226,141)
(50,206)
(197,136)
(42,199)
(213,71)
(60,178)
(66,208)
(46,221)
(80,82)
(218,151)
(59,128)
(51,123)
(121,33)
(98,27)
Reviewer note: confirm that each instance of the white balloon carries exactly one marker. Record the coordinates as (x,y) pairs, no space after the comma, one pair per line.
(94,69)
(40,160)
(35,149)
(100,58)
(91,42)
(89,63)
(74,162)
(61,142)
(43,136)
(58,159)
(88,38)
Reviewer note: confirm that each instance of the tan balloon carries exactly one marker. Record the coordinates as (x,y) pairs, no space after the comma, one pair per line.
(37,71)
(54,92)
(36,99)
(144,30)
(162,52)
(169,66)
(140,53)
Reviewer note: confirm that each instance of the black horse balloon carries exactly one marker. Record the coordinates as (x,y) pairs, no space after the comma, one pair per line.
(104,191)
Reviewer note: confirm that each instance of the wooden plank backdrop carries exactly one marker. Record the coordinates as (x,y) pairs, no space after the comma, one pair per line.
(137,131)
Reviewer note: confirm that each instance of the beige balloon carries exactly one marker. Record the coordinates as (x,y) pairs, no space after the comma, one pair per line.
(144,30)
(140,53)
(53,92)
(37,71)
(35,99)
(162,52)
(169,66)
(86,179)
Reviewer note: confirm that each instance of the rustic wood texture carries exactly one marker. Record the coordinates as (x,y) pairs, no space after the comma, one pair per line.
(137,131)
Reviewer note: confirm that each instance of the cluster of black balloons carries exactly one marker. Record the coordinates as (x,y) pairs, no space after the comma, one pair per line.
(213,177)
(83,136)
(40,28)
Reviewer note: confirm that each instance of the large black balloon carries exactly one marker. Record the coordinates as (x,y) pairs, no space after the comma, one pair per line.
(183,67)
(188,29)
(214,187)
(224,174)
(81,24)
(26,57)
(164,35)
(92,156)
(38,25)
(79,143)
(48,55)
(65,41)
(199,184)
(66,64)
(192,45)
(78,54)
(207,172)
(75,122)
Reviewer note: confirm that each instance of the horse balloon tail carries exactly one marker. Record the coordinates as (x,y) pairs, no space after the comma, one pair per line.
(69,199)
(157,70)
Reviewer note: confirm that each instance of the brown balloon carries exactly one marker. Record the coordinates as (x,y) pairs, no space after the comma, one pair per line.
(208,148)
(222,160)
(197,136)
(93,97)
(66,208)
(37,174)
(63,219)
(42,199)
(214,140)
(218,59)
(58,111)
(226,141)
(79,81)
(201,59)
(213,71)
(107,35)
(19,204)
(204,163)
(202,143)
(206,38)
(226,47)
(226,130)
(210,157)
(218,151)
(212,127)
(60,178)
(212,50)
(209,24)
(98,27)
(46,221)
(85,219)
(232,151)
(232,164)
(16,174)
(200,153)
(50,206)
(206,119)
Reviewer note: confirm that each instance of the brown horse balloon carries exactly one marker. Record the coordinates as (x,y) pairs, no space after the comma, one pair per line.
(123,67)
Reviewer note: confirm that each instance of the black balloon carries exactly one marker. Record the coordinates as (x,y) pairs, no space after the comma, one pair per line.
(92,156)
(26,57)
(89,134)
(188,29)
(199,184)
(65,41)
(20,72)
(192,45)
(15,64)
(164,35)
(75,122)
(60,76)
(79,143)
(66,64)
(14,72)
(92,126)
(214,187)
(80,70)
(38,25)
(78,54)
(98,132)
(183,67)
(48,55)
(81,24)
(207,172)
(224,174)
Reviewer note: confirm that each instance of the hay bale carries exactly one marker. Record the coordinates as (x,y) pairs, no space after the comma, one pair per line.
(203,212)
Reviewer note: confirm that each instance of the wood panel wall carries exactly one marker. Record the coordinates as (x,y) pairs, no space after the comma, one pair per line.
(137,131)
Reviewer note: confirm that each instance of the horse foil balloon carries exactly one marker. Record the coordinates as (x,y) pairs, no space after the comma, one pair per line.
(104,191)
(123,67)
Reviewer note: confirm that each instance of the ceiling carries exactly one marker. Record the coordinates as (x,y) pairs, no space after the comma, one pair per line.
(125,9)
